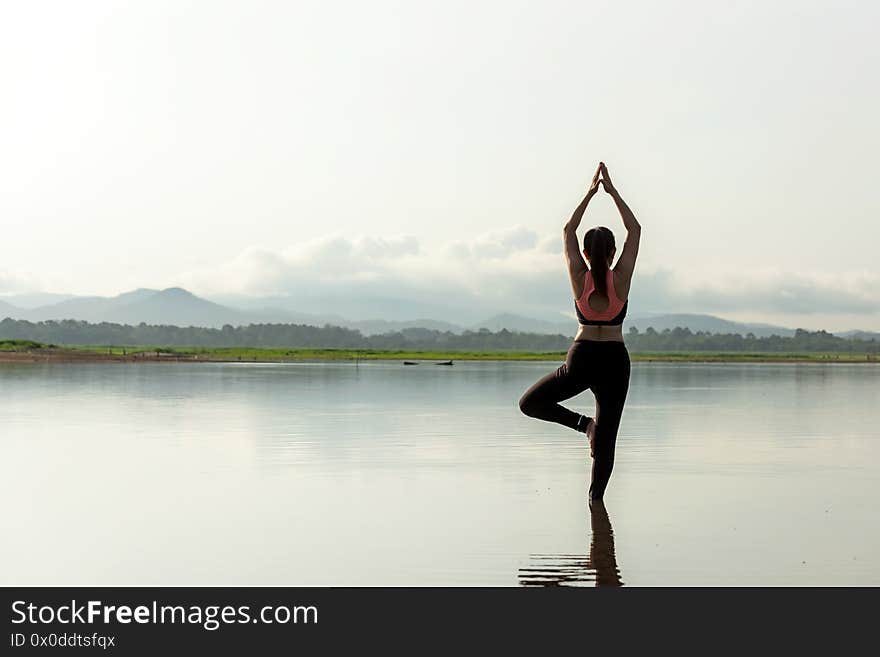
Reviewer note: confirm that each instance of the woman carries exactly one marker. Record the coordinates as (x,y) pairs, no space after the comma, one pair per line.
(598,358)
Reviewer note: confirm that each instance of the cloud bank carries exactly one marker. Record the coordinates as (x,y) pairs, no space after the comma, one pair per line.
(515,271)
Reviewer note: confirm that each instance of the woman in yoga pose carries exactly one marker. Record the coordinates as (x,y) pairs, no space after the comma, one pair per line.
(598,358)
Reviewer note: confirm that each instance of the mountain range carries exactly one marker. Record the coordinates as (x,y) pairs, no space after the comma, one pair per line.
(178,307)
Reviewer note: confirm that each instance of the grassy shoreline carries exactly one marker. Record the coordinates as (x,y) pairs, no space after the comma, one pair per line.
(23,350)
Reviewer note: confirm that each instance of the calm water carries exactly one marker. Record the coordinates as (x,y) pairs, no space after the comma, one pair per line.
(324,473)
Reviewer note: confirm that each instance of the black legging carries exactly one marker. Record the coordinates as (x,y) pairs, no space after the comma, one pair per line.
(603,367)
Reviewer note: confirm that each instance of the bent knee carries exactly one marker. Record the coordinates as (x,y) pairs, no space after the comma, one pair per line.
(527,405)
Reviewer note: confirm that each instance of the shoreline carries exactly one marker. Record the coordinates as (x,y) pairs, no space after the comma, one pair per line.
(116,355)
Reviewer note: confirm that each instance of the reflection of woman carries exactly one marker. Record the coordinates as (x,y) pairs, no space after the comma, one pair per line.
(598,358)
(600,566)
(602,558)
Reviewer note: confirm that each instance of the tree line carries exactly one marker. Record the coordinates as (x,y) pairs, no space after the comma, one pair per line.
(76,332)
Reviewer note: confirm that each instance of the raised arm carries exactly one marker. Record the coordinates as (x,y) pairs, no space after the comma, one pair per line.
(626,263)
(577,267)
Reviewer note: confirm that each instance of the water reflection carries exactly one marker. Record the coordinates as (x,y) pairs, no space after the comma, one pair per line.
(352,457)
(598,567)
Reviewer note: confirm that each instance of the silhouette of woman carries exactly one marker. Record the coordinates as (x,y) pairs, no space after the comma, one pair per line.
(598,358)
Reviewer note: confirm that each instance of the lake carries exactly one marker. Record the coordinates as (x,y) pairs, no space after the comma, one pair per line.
(379,474)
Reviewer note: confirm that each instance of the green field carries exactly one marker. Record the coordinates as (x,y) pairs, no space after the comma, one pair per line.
(21,345)
(271,354)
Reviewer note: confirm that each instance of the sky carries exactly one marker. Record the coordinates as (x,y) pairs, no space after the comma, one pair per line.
(419,150)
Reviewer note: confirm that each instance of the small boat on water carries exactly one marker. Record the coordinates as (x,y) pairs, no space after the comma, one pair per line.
(410,362)
(445,362)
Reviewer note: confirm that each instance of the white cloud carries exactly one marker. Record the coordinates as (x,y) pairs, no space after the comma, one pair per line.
(514,271)
(766,290)
(510,271)
(437,123)
(480,265)
(497,244)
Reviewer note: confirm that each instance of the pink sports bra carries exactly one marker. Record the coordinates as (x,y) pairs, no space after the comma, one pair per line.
(612,315)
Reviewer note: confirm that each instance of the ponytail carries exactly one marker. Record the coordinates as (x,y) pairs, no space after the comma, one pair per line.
(598,243)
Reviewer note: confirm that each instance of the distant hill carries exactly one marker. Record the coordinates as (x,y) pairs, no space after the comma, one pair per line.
(278,309)
(860,335)
(708,323)
(695,322)
(378,326)
(35,299)
(526,325)
(346,306)
(8,310)
(178,307)
(89,309)
(173,306)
